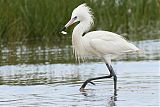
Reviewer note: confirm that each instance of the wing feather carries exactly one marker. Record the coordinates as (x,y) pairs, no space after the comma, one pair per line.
(113,47)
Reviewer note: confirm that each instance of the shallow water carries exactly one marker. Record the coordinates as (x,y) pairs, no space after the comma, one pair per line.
(51,84)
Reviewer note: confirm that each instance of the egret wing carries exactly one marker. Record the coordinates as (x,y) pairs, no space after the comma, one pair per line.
(104,47)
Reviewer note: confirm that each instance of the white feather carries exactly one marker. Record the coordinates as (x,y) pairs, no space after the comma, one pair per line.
(102,44)
(63,32)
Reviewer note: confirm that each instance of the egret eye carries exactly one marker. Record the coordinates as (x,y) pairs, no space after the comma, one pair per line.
(75,17)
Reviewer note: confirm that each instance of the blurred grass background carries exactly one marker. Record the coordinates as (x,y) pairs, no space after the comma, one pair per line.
(25,20)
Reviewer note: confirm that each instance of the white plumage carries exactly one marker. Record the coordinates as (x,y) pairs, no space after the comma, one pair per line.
(103,44)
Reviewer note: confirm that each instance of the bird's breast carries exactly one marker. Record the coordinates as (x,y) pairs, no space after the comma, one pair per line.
(82,49)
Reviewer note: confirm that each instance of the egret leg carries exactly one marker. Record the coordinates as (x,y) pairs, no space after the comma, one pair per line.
(112,73)
(114,78)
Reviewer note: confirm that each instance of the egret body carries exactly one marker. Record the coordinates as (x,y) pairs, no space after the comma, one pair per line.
(102,44)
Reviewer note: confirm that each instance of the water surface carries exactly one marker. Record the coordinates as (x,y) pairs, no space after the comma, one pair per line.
(40,76)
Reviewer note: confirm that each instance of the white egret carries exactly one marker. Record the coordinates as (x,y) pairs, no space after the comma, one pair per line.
(103,44)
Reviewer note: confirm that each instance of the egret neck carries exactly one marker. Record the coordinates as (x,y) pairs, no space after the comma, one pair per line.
(78,47)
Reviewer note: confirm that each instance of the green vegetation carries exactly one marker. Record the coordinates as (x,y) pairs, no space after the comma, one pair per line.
(24,20)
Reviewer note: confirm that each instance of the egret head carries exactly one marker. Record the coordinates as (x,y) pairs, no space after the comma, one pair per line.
(82,13)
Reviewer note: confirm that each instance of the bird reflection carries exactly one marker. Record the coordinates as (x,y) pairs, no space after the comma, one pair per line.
(110,99)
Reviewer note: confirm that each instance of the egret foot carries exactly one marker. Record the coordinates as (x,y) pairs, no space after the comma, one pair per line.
(85,83)
(92,83)
(82,89)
